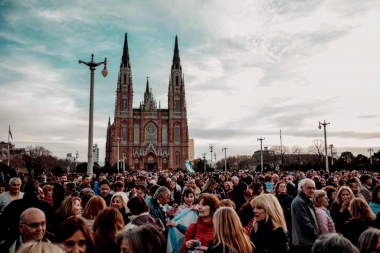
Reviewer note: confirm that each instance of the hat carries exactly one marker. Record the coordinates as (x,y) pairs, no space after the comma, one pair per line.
(365,177)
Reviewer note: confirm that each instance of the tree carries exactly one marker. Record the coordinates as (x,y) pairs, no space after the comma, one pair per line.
(346,157)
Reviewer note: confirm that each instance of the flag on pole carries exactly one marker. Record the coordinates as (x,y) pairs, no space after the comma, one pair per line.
(10,133)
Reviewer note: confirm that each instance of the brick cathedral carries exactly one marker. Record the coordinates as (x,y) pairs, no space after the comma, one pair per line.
(151,137)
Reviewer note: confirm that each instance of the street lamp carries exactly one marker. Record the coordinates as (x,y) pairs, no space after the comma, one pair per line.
(225,159)
(118,155)
(370,150)
(76,160)
(331,152)
(261,153)
(92,66)
(211,146)
(204,160)
(324,124)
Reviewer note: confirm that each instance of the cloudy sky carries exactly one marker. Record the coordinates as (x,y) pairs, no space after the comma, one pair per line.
(251,68)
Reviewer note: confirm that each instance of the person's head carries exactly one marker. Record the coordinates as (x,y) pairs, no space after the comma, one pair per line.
(70,207)
(210,184)
(258,189)
(162,195)
(75,236)
(360,210)
(369,241)
(208,204)
(228,186)
(14,185)
(130,240)
(331,193)
(275,178)
(229,230)
(228,203)
(188,197)
(320,199)
(246,213)
(354,186)
(107,224)
(344,194)
(119,200)
(307,187)
(235,180)
(366,180)
(333,181)
(118,186)
(280,188)
(267,208)
(94,206)
(104,188)
(31,189)
(376,194)
(137,205)
(40,247)
(86,181)
(172,185)
(69,188)
(32,225)
(48,190)
(3,188)
(333,243)
(85,194)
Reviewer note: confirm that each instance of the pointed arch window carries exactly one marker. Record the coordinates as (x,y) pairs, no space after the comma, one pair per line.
(164,134)
(177,134)
(136,134)
(124,133)
(177,158)
(124,105)
(177,104)
(151,133)
(176,81)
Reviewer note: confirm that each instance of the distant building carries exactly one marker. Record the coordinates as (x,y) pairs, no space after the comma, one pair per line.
(151,137)
(70,157)
(95,153)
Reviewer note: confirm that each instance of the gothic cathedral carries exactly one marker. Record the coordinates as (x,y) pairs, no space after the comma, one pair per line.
(149,138)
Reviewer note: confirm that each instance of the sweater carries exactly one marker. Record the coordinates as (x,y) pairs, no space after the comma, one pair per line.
(202,231)
(6,198)
(325,223)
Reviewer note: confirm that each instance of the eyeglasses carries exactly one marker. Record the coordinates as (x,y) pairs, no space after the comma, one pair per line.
(35,224)
(310,188)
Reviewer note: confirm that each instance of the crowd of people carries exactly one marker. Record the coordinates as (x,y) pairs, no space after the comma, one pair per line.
(235,212)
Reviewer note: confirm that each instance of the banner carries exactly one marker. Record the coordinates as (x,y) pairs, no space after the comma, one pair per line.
(175,238)
(189,167)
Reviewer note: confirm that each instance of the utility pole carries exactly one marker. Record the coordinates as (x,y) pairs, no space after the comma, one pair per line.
(204,160)
(261,152)
(370,150)
(324,124)
(225,159)
(211,146)
(332,158)
(215,159)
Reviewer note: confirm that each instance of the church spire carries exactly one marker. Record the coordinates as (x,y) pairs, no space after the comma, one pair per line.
(176,59)
(147,85)
(125,59)
(109,121)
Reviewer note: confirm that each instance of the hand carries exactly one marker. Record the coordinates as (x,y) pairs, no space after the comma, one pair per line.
(194,208)
(190,244)
(170,213)
(175,206)
(171,224)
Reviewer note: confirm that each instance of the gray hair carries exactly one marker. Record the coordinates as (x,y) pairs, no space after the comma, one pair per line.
(333,243)
(234,178)
(367,239)
(14,179)
(161,192)
(303,182)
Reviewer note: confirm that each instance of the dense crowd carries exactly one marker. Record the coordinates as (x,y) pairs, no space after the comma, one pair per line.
(232,212)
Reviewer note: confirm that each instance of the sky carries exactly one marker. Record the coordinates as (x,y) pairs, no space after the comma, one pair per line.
(251,68)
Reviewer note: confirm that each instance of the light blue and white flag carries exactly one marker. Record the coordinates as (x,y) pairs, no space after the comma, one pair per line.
(189,167)
(175,238)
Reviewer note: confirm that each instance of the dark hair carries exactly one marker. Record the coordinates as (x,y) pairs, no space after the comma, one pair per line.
(375,199)
(246,213)
(256,187)
(70,186)
(71,225)
(31,189)
(186,193)
(137,205)
(105,181)
(153,189)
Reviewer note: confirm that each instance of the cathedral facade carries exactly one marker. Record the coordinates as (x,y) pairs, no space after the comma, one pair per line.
(148,137)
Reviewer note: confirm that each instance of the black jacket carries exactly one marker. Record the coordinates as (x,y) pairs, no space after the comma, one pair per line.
(268,240)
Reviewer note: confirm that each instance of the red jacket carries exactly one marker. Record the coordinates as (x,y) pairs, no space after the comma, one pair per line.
(202,231)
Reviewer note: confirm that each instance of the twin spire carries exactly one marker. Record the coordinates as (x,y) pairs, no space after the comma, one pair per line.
(125,62)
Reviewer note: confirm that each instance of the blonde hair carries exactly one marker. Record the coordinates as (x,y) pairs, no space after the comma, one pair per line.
(339,194)
(318,198)
(94,206)
(40,247)
(360,210)
(124,198)
(228,203)
(228,232)
(273,210)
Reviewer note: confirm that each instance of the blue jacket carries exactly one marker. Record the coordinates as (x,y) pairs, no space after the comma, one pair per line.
(374,207)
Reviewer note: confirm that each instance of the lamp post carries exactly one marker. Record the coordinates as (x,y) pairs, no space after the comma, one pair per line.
(76,160)
(92,66)
(370,150)
(331,152)
(204,160)
(225,159)
(324,124)
(123,163)
(211,146)
(118,155)
(261,152)
(215,159)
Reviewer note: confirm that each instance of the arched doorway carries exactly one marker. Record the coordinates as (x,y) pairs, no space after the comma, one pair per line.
(150,162)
